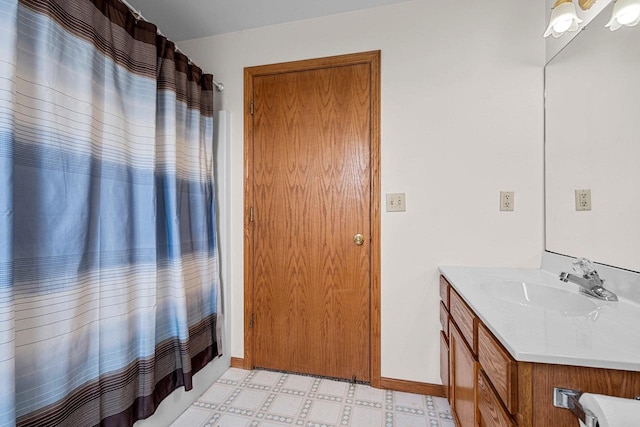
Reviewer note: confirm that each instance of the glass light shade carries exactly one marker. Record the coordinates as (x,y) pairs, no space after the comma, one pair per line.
(625,12)
(563,18)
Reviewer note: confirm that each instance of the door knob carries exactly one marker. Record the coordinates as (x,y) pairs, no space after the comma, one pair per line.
(358,239)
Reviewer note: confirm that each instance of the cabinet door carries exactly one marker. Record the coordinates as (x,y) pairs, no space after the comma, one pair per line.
(463,379)
(444,364)
(490,410)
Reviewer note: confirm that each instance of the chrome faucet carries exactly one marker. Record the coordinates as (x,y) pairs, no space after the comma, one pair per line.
(590,282)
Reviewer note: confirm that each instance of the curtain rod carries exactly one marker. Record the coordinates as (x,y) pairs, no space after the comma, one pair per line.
(138,15)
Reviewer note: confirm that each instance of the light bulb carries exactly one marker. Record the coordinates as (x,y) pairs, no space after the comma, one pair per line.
(562,25)
(629,14)
(563,18)
(625,12)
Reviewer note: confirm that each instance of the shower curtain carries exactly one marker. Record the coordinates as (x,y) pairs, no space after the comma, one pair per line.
(109,289)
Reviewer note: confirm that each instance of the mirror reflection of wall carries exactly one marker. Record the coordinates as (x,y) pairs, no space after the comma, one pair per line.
(592,141)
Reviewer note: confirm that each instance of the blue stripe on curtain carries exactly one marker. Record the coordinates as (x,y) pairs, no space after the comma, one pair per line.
(109,289)
(8,35)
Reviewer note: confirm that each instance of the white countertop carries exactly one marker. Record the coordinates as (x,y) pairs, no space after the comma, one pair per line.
(597,334)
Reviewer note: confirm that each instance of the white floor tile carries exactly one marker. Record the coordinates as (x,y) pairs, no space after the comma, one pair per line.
(441,403)
(267,378)
(271,418)
(217,393)
(409,400)
(403,420)
(272,399)
(192,417)
(369,394)
(235,374)
(365,417)
(325,412)
(286,405)
(298,382)
(232,421)
(333,388)
(249,399)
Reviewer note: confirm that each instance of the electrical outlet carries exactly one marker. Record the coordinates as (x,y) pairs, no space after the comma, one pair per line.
(396,202)
(506,201)
(583,200)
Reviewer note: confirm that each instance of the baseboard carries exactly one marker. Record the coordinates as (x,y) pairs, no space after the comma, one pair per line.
(412,387)
(237,362)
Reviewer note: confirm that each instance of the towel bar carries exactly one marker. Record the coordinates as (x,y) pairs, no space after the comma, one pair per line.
(568,399)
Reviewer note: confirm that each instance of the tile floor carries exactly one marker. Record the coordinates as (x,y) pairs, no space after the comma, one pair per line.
(273,399)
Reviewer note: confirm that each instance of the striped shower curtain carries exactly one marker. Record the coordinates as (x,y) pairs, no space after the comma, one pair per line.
(109,289)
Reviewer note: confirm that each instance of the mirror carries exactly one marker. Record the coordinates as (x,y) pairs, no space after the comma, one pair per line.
(592,141)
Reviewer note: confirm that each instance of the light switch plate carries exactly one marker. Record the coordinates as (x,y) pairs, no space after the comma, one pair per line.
(396,202)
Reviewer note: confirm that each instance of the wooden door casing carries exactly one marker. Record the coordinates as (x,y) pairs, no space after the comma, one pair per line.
(321,209)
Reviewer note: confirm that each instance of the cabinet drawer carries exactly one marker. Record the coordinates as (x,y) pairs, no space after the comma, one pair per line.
(444,291)
(464,319)
(500,368)
(490,410)
(444,319)
(444,363)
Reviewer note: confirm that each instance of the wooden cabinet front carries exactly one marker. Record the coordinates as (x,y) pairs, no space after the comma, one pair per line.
(444,363)
(464,318)
(499,367)
(444,319)
(463,379)
(490,410)
(444,292)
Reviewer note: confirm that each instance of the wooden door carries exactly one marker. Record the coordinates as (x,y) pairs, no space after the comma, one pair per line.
(311,181)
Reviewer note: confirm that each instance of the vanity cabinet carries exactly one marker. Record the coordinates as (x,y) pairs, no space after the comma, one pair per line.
(486,386)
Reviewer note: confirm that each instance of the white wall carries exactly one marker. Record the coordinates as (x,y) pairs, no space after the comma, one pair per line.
(461,120)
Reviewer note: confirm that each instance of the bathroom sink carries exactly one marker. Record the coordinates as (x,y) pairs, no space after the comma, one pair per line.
(531,294)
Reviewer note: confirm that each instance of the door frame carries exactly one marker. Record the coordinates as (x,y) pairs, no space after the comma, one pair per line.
(373,59)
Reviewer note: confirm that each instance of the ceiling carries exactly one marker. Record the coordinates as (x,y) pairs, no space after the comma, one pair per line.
(190,19)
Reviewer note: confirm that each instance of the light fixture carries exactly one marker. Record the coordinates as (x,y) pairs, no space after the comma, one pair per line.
(625,12)
(563,18)
(586,4)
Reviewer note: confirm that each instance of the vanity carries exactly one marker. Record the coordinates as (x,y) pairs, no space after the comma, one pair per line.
(509,336)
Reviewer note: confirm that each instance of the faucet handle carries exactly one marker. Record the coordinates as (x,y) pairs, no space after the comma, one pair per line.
(584,266)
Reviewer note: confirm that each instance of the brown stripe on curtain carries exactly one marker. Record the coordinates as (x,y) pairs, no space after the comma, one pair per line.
(99,22)
(109,398)
(184,77)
